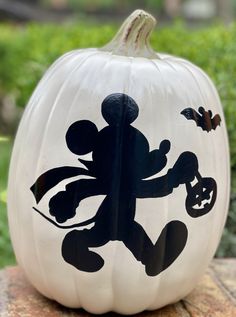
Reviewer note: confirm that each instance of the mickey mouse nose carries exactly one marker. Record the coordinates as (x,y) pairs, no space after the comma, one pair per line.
(119,109)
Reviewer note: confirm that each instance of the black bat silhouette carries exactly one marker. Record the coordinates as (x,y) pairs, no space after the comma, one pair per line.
(203,119)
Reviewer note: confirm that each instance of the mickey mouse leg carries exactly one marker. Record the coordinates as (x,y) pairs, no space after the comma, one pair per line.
(159,256)
(76,244)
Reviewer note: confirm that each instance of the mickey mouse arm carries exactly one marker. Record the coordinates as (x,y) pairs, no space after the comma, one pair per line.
(63,205)
(84,188)
(184,171)
(157,187)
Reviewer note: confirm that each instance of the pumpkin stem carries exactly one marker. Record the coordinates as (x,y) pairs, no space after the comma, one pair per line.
(132,39)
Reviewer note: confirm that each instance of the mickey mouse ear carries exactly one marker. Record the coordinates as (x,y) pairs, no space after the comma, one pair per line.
(118,109)
(81,136)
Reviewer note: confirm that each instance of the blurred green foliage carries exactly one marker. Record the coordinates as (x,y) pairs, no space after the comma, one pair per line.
(6,253)
(112,6)
(26,52)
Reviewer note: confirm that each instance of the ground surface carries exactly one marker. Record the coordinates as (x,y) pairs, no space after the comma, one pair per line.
(214,296)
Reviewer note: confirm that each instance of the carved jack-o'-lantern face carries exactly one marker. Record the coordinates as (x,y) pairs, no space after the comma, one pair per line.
(119,173)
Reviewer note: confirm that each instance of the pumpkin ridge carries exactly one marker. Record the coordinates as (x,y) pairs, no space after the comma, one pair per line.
(36,172)
(28,113)
(77,93)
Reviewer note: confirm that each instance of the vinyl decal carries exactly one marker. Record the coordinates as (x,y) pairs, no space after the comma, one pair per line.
(203,119)
(121,163)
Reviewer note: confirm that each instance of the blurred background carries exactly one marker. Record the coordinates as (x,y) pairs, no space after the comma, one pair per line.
(61,10)
(33,33)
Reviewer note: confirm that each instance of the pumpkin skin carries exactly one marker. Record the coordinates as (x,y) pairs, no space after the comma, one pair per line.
(168,92)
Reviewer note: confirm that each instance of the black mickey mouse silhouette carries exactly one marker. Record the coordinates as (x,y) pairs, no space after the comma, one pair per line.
(121,163)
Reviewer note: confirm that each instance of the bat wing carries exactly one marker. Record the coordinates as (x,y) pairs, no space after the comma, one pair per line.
(191,114)
(215,122)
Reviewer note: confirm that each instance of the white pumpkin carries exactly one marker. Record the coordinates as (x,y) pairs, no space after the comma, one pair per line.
(119,178)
